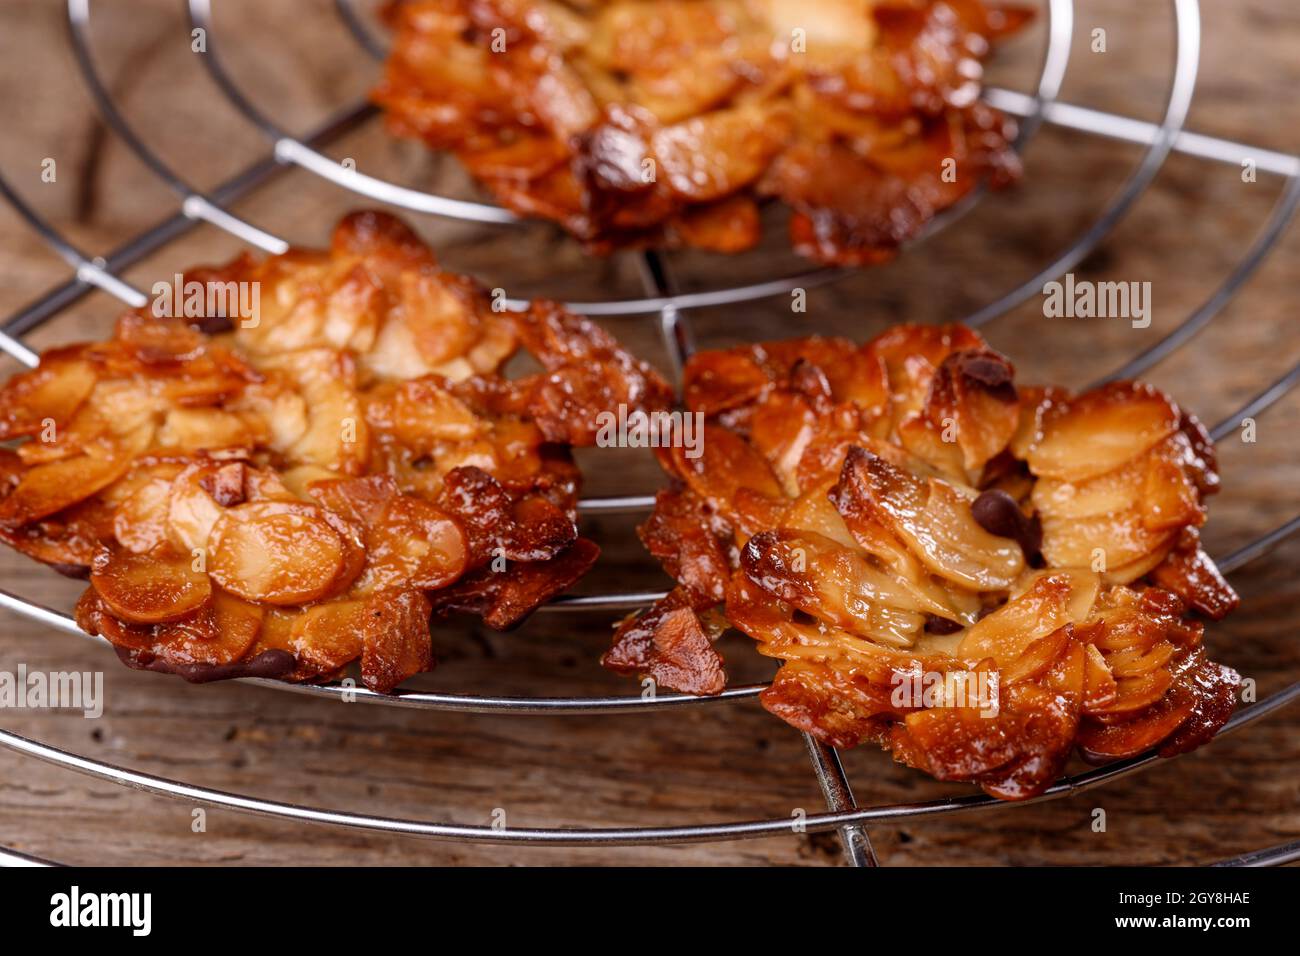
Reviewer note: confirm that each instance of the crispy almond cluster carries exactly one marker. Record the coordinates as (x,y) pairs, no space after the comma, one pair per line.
(898,515)
(665,122)
(302,486)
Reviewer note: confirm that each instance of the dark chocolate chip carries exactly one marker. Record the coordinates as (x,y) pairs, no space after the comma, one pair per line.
(226,484)
(989,371)
(213,324)
(809,380)
(940,625)
(997,513)
(268,664)
(1034,540)
(986,370)
(79,571)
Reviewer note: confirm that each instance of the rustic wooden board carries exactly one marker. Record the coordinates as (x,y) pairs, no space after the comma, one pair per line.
(727,762)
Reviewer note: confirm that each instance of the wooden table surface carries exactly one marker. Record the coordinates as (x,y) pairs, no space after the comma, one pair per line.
(715,763)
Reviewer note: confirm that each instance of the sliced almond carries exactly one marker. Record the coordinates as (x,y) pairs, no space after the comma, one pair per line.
(51,487)
(205,428)
(933,517)
(396,639)
(1120,539)
(1005,634)
(220,633)
(726,463)
(698,166)
(413,545)
(836,585)
(150,588)
(1102,430)
(329,636)
(140,523)
(337,436)
(277,552)
(191,510)
(51,392)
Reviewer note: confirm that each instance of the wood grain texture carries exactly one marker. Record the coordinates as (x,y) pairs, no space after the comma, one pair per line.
(725,762)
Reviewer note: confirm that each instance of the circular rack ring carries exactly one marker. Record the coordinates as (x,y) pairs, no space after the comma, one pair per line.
(601,836)
(1159,140)
(1055,60)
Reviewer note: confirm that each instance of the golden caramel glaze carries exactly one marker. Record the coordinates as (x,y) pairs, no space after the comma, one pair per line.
(304,483)
(665,122)
(886,517)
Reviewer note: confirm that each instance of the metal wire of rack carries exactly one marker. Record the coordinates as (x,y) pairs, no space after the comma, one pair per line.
(843,814)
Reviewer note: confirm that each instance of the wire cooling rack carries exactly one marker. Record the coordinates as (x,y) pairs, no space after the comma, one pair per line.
(1160,140)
